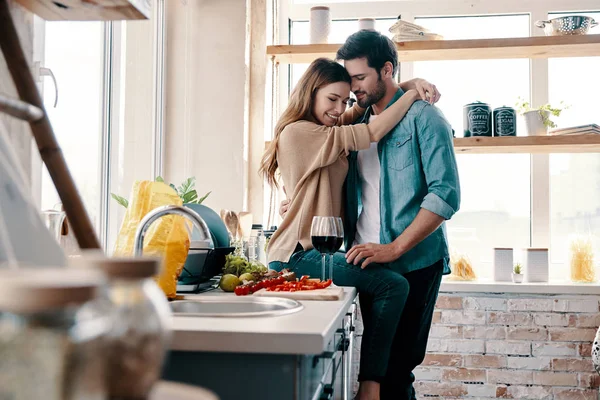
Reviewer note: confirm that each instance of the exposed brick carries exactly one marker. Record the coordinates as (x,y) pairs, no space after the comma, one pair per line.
(529,392)
(508,348)
(575,394)
(529,305)
(428,374)
(509,377)
(449,302)
(440,389)
(515,333)
(455,346)
(578,306)
(485,303)
(589,380)
(443,360)
(553,349)
(437,317)
(509,318)
(584,349)
(485,361)
(484,332)
(463,375)
(461,317)
(572,364)
(588,320)
(551,319)
(480,391)
(445,331)
(533,363)
(555,378)
(502,392)
(572,334)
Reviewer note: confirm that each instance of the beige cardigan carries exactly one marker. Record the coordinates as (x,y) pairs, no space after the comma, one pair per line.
(313,165)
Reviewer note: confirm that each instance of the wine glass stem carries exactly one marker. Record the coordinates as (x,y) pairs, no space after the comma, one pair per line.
(330,267)
(323,265)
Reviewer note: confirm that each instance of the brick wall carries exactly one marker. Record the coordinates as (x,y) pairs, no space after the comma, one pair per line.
(509,346)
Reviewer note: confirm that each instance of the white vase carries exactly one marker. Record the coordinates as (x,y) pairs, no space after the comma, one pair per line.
(517,278)
(320,23)
(534,123)
(503,264)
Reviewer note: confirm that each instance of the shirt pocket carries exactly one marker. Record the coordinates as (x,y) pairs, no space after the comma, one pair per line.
(399,151)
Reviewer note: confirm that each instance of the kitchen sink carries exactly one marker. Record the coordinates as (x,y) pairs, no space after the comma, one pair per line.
(228,307)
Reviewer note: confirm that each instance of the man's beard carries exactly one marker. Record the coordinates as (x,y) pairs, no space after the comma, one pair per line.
(371,98)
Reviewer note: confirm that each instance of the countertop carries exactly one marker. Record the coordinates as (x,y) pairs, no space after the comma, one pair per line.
(557,287)
(305,332)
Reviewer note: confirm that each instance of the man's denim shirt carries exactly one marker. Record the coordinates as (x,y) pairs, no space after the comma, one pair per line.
(418,170)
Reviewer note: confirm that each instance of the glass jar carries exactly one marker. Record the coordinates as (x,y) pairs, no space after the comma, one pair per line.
(51,335)
(141,325)
(581,259)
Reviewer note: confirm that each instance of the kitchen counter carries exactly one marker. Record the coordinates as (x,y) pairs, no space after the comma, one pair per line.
(488,286)
(305,332)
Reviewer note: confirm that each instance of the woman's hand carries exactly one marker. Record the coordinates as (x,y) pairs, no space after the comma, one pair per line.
(427,90)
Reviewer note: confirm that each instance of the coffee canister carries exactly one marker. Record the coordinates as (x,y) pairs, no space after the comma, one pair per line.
(477,119)
(505,121)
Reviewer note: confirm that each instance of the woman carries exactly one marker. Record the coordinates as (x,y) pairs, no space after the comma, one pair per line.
(312,140)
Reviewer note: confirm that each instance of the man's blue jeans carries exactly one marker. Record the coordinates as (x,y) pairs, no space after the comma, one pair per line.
(387,292)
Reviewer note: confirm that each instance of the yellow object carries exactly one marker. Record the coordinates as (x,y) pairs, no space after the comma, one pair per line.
(461,267)
(582,260)
(167,237)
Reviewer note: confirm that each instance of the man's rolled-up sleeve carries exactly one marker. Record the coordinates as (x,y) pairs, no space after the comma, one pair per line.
(439,163)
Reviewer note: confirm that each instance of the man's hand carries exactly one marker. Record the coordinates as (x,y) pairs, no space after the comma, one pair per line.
(284,206)
(427,90)
(372,253)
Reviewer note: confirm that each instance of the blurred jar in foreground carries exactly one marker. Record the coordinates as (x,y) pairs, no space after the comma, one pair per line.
(581,259)
(51,335)
(141,325)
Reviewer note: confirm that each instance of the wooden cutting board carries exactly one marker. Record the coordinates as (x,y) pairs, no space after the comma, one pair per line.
(330,293)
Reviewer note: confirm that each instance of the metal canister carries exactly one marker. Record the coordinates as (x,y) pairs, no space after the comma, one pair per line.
(505,121)
(477,119)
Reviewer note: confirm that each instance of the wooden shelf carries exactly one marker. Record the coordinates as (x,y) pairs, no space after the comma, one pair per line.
(528,144)
(478,49)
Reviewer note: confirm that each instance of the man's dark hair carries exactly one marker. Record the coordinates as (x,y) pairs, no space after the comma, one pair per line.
(375,47)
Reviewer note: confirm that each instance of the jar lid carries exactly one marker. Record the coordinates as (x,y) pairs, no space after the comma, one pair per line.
(476,103)
(324,8)
(504,108)
(31,290)
(125,267)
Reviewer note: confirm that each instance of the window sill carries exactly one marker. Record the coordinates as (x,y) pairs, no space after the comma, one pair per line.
(553,287)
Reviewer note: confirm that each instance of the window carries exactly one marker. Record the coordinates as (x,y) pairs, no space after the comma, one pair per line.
(74,51)
(495,207)
(574,178)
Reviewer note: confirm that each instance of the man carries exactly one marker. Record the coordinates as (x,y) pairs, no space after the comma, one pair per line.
(404,187)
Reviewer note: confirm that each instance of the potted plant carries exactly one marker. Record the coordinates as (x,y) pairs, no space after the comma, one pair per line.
(517,276)
(537,120)
(186,192)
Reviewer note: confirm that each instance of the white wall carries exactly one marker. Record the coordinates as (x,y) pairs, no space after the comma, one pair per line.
(206,85)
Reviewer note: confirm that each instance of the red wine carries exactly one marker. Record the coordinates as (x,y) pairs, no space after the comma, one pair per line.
(327,244)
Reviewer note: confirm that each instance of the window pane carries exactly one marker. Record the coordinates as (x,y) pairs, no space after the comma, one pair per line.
(574,178)
(74,53)
(495,208)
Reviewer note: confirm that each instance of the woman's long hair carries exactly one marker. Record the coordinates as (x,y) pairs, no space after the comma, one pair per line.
(320,73)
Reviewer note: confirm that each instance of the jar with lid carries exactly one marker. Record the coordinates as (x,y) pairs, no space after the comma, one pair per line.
(477,119)
(52,335)
(141,325)
(505,121)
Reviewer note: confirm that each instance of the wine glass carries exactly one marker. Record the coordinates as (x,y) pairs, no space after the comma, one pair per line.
(327,235)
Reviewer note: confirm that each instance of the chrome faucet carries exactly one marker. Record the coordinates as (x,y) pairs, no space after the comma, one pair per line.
(140,234)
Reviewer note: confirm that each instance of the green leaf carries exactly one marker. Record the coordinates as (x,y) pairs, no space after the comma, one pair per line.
(186,186)
(201,199)
(159,179)
(190,197)
(121,200)
(174,188)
